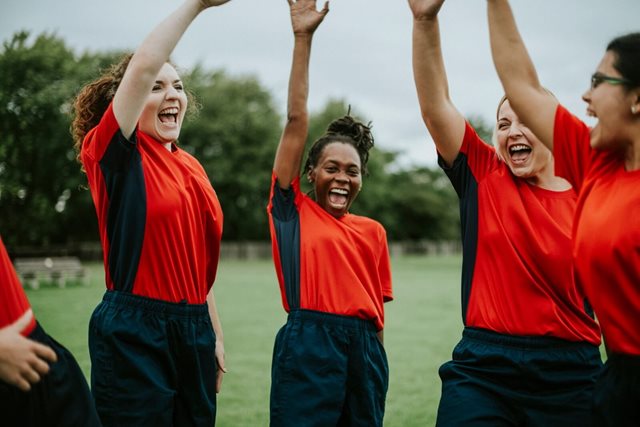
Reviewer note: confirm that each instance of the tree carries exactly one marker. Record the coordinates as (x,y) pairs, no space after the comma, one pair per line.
(235,138)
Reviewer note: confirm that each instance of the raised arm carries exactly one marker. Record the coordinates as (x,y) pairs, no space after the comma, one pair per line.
(444,121)
(150,56)
(530,101)
(304,21)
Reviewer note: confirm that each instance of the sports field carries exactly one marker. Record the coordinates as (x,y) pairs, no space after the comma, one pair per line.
(422,326)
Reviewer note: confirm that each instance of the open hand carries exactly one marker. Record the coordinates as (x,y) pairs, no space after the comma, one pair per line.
(304,16)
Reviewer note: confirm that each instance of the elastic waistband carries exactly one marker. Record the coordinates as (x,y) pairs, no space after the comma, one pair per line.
(350,322)
(125,299)
(522,342)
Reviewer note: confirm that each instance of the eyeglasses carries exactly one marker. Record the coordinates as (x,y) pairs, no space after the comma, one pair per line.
(598,78)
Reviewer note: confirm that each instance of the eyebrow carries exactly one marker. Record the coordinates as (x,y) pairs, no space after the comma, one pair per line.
(173,82)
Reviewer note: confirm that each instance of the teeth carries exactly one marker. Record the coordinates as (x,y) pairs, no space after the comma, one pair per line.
(170,110)
(519,147)
(339,191)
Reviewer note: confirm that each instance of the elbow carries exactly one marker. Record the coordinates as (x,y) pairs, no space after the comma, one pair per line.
(297,118)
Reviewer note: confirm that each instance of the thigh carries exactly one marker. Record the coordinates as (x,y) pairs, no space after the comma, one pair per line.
(194,350)
(308,378)
(559,385)
(616,400)
(367,382)
(469,399)
(132,375)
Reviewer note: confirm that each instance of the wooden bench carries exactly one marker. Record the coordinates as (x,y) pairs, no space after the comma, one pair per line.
(56,270)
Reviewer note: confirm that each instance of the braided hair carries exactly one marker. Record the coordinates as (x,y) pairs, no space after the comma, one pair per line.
(346,130)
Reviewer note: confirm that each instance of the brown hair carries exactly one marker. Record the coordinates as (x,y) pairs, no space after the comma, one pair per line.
(94,98)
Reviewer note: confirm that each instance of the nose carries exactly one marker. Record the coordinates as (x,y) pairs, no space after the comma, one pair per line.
(172,92)
(342,177)
(586,97)
(515,131)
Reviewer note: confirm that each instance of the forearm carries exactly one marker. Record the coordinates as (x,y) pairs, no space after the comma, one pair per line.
(445,123)
(531,102)
(291,148)
(215,318)
(512,61)
(146,63)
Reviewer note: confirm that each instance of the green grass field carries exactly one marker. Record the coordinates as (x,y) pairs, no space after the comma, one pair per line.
(422,326)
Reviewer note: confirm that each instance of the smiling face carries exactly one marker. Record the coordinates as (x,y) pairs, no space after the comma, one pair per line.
(611,104)
(336,178)
(165,108)
(519,148)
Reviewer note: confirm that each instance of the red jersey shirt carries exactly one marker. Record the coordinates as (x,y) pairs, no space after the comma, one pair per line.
(606,231)
(516,276)
(334,265)
(13,300)
(159,217)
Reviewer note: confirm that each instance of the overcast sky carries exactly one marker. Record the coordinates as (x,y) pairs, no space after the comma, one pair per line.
(361,52)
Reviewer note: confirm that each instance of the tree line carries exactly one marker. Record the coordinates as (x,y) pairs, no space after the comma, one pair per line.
(44,199)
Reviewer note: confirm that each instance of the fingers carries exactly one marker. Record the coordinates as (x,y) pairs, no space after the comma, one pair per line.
(24,321)
(45,352)
(219,378)
(325,8)
(21,383)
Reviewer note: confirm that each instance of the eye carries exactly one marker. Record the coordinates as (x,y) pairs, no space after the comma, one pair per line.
(156,88)
(331,169)
(178,87)
(353,172)
(503,125)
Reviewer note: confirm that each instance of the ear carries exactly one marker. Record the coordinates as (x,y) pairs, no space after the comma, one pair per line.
(311,176)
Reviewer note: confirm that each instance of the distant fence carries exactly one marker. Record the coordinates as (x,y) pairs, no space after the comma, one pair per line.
(92,251)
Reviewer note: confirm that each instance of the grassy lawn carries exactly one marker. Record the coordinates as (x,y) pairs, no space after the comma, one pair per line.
(422,326)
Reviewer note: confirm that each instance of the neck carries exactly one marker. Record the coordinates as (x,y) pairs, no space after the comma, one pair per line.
(632,156)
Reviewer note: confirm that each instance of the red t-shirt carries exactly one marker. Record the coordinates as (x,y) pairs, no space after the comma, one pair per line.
(606,231)
(13,300)
(516,276)
(334,265)
(160,220)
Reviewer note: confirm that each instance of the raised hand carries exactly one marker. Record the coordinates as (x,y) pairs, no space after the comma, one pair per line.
(425,9)
(304,16)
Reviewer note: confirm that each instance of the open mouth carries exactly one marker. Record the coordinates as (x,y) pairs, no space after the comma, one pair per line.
(338,197)
(169,115)
(519,153)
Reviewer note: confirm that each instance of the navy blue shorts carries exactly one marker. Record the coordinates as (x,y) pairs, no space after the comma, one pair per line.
(501,380)
(61,398)
(617,396)
(152,362)
(328,370)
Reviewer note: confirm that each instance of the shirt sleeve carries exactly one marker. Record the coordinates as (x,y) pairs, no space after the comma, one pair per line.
(474,161)
(105,144)
(571,147)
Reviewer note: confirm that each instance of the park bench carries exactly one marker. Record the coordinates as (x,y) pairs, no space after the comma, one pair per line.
(56,270)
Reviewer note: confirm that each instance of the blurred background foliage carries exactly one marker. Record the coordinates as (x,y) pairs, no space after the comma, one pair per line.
(44,200)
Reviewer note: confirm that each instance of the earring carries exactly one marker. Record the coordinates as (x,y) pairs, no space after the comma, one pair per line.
(634,109)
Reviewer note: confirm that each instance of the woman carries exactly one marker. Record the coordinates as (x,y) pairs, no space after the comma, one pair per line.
(41,383)
(329,365)
(603,164)
(529,350)
(155,340)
